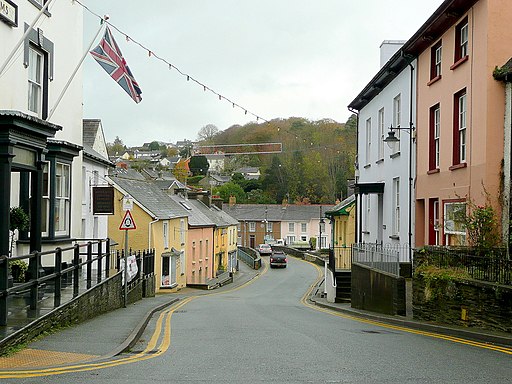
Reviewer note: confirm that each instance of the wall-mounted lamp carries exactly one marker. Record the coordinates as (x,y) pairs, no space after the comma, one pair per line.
(392,141)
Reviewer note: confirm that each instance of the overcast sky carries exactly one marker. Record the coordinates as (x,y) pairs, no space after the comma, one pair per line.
(276,58)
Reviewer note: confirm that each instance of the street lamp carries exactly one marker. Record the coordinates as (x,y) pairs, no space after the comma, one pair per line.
(320,224)
(392,141)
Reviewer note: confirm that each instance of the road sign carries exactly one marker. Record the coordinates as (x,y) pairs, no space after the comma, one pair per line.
(128,222)
(127,203)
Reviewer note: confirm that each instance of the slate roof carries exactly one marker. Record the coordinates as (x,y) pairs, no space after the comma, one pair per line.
(197,216)
(151,197)
(129,173)
(216,215)
(275,212)
(90,130)
(167,184)
(92,154)
(339,209)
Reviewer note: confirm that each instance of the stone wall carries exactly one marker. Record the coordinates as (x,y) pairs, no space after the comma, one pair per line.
(467,303)
(377,291)
(102,298)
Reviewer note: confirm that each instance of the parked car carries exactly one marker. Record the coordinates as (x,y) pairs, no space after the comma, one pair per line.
(264,249)
(278,259)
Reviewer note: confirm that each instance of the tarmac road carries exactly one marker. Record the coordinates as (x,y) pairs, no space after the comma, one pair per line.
(267,332)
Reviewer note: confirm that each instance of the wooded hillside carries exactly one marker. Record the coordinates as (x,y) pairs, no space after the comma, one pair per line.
(317,159)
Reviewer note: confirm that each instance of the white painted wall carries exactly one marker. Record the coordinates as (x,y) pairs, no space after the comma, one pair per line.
(312,231)
(389,166)
(65,29)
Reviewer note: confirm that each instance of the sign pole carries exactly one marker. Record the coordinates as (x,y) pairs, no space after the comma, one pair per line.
(125,268)
(126,225)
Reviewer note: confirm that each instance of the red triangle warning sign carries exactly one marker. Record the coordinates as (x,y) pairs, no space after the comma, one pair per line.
(128,222)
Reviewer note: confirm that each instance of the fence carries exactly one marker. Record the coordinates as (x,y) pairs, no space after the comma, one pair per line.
(145,264)
(342,257)
(60,274)
(252,260)
(385,258)
(494,267)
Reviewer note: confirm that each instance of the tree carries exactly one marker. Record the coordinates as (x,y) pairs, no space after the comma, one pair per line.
(154,146)
(231,189)
(207,133)
(117,147)
(199,165)
(180,171)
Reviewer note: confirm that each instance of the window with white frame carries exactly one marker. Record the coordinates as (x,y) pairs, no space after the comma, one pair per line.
(462,127)
(382,131)
(437,135)
(165,231)
(182,262)
(368,140)
(435,218)
(396,206)
(269,226)
(366,213)
(45,208)
(461,40)
(85,187)
(35,81)
(303,227)
(454,227)
(397,113)
(252,226)
(182,231)
(62,199)
(291,227)
(290,239)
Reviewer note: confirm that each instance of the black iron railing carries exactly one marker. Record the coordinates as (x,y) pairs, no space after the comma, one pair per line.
(491,265)
(54,271)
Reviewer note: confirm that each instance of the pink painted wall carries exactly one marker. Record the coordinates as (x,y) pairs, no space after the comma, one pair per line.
(200,255)
(489,37)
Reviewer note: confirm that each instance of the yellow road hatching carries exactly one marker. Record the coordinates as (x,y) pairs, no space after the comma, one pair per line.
(161,340)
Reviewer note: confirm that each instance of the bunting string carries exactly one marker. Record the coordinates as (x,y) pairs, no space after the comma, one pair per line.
(152,53)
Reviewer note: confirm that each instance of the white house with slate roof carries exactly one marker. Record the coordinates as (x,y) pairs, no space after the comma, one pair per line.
(95,169)
(45,138)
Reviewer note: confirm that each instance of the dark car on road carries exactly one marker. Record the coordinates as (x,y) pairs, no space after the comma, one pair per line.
(278,259)
(264,249)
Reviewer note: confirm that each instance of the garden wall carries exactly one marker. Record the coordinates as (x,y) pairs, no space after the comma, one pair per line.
(468,303)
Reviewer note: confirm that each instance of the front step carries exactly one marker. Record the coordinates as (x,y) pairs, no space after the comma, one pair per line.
(343,286)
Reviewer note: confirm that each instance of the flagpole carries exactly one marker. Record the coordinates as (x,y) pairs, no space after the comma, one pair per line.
(105,18)
(11,55)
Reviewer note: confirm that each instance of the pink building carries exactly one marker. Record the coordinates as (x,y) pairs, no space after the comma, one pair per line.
(460,114)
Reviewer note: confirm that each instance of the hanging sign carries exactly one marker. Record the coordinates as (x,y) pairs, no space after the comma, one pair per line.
(9,12)
(103,200)
(127,222)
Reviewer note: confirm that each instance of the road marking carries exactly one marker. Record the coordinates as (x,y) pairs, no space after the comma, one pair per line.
(453,339)
(152,350)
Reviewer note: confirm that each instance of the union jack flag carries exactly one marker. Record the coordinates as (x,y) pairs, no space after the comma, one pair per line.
(109,56)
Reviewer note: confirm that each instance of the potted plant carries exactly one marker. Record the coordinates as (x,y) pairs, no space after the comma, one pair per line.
(20,221)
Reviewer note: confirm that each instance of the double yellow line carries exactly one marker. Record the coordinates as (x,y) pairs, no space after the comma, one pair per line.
(158,344)
(453,339)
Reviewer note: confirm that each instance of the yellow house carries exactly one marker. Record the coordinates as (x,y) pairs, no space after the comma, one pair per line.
(225,240)
(343,231)
(161,224)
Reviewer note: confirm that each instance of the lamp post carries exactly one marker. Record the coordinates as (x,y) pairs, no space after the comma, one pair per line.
(392,141)
(320,223)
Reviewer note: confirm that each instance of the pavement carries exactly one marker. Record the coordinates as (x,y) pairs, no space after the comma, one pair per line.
(119,330)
